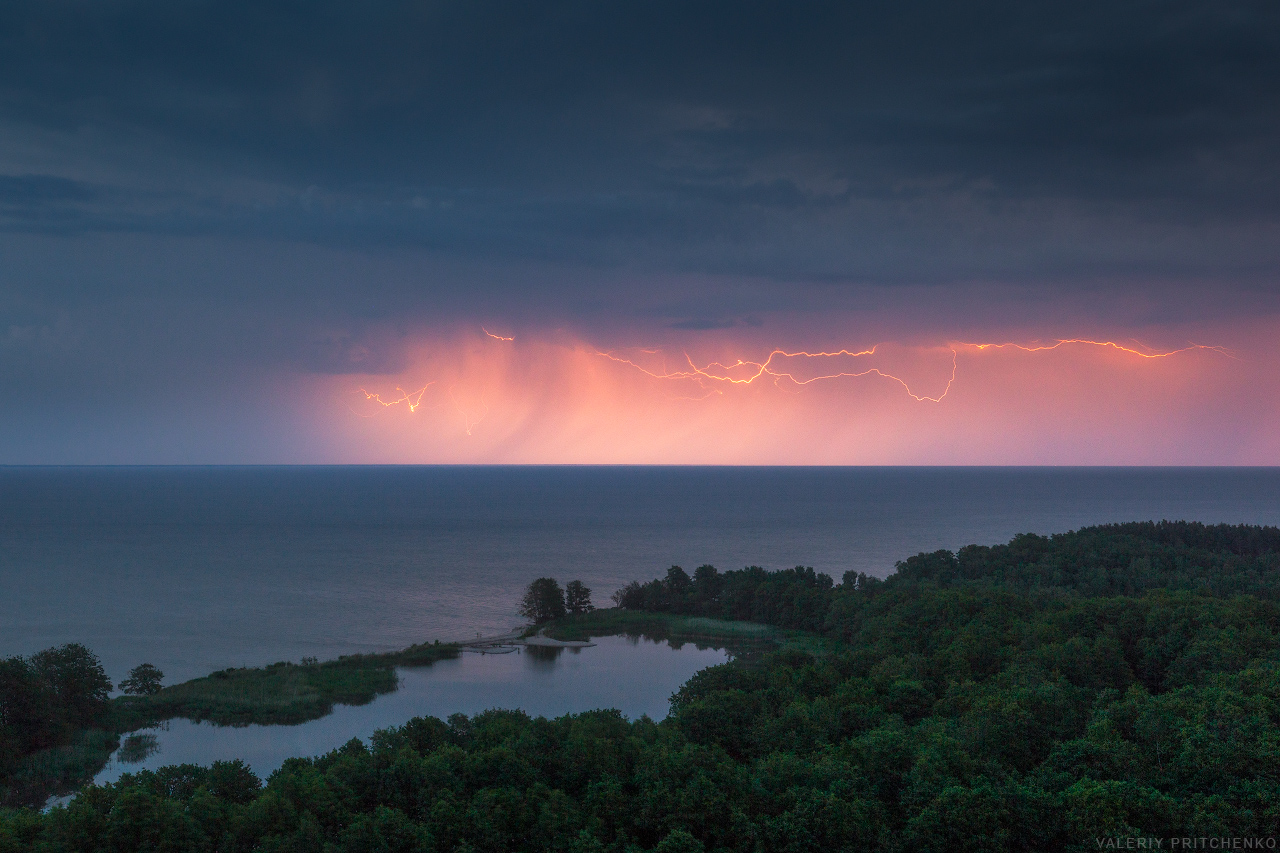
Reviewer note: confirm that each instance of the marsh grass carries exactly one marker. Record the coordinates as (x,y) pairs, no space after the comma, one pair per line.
(746,642)
(137,748)
(283,693)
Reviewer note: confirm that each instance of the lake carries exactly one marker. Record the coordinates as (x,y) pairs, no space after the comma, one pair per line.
(636,676)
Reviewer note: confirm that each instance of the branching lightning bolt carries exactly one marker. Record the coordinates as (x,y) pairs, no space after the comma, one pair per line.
(468,424)
(715,373)
(412,399)
(718,372)
(1107,344)
(717,377)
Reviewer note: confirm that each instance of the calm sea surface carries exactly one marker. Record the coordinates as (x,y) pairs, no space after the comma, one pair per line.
(195,569)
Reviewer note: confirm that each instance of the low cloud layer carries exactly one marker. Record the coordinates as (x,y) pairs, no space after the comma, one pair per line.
(921,141)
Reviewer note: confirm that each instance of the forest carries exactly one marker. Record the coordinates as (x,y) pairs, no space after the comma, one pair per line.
(1120,681)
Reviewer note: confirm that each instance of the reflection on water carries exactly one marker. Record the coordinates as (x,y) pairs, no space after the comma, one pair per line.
(545,657)
(636,676)
(137,748)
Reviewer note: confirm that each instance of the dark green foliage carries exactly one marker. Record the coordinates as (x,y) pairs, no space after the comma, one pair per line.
(630,597)
(796,598)
(1036,696)
(47,698)
(26,701)
(1120,559)
(543,601)
(707,585)
(79,684)
(57,770)
(47,703)
(577,598)
(144,680)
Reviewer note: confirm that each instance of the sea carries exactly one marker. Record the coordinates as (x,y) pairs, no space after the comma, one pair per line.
(195,569)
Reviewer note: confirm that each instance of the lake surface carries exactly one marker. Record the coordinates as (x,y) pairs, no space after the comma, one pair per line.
(196,569)
(633,675)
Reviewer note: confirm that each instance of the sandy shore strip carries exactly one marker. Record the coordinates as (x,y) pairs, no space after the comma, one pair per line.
(505,644)
(547,642)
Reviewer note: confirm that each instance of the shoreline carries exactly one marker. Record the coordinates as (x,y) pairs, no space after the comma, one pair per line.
(512,641)
(286,693)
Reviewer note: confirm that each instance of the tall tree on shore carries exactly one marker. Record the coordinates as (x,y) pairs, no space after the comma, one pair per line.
(78,680)
(630,597)
(144,680)
(543,601)
(578,598)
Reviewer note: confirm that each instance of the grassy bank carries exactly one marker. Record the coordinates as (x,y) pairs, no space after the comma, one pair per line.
(280,694)
(616,621)
(738,638)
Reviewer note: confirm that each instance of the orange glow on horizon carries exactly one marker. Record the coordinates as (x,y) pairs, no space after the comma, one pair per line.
(558,399)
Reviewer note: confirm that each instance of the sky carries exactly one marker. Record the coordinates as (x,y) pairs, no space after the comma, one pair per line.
(924,232)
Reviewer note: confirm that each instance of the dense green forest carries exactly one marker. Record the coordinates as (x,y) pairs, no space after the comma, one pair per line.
(1118,681)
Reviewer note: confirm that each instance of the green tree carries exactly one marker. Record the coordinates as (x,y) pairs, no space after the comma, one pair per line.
(543,601)
(577,598)
(630,597)
(677,584)
(77,677)
(144,680)
(25,701)
(706,586)
(679,841)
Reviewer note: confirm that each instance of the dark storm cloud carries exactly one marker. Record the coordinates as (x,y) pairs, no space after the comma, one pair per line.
(918,141)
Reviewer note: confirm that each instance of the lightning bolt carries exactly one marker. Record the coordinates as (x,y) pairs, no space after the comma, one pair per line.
(412,399)
(746,372)
(468,423)
(715,377)
(1107,344)
(718,372)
